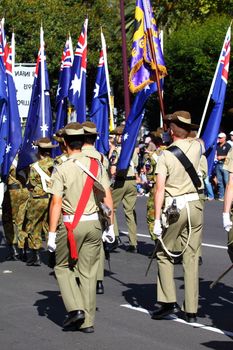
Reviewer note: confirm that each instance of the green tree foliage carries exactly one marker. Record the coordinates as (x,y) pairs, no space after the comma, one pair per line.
(192,53)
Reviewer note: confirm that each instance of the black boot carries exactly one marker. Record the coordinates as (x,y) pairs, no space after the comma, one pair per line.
(13,253)
(34,260)
(22,254)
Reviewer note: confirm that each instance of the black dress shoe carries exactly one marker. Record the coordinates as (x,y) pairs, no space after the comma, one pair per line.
(114,245)
(87,330)
(191,318)
(132,249)
(73,317)
(99,287)
(165,310)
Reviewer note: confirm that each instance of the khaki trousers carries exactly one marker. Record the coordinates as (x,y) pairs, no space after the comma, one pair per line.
(82,295)
(126,192)
(166,291)
(230,241)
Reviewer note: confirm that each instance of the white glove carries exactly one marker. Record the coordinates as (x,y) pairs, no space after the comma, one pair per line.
(109,235)
(157,228)
(51,245)
(227,223)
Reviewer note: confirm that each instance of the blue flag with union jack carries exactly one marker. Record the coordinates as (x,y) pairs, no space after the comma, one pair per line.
(100,109)
(210,133)
(77,90)
(62,92)
(12,119)
(39,120)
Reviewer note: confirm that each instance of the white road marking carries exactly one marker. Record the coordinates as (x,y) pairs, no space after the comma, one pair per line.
(203,244)
(180,320)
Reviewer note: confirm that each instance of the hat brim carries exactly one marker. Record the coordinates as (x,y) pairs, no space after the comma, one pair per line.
(167,119)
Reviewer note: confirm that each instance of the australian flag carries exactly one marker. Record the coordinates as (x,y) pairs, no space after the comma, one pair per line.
(62,92)
(4,124)
(39,120)
(12,123)
(218,96)
(77,90)
(133,125)
(100,107)
(63,88)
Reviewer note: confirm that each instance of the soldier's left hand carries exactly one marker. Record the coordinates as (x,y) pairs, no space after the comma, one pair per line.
(157,228)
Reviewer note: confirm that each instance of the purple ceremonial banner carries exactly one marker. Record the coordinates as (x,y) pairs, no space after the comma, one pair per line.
(142,67)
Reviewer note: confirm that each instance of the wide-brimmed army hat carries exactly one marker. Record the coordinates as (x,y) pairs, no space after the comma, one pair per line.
(182,119)
(44,142)
(118,130)
(73,129)
(58,136)
(89,128)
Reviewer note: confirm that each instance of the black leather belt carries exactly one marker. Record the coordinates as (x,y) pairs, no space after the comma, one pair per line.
(118,178)
(201,191)
(39,197)
(14,187)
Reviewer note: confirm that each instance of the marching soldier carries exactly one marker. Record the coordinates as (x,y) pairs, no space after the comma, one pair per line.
(79,247)
(124,191)
(37,208)
(177,198)
(90,134)
(13,213)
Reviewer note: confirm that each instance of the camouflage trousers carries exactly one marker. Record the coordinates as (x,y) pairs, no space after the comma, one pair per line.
(36,222)
(150,214)
(13,213)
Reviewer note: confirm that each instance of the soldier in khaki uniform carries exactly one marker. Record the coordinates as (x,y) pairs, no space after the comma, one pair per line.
(37,208)
(124,191)
(228,199)
(174,183)
(13,213)
(90,134)
(66,186)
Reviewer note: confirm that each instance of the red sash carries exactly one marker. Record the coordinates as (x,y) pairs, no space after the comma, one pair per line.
(80,208)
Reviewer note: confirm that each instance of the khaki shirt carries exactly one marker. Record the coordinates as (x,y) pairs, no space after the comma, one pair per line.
(178,181)
(68,181)
(228,164)
(91,151)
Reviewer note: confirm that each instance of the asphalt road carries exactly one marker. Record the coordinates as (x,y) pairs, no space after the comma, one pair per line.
(32,312)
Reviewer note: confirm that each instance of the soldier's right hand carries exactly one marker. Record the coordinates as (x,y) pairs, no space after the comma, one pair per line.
(51,245)
(108,235)
(227,223)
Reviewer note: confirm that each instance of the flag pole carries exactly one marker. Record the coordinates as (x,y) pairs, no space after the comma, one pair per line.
(42,79)
(71,48)
(13,52)
(125,63)
(111,122)
(161,43)
(211,87)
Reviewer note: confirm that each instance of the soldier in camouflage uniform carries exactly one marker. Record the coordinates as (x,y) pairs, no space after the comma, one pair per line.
(13,212)
(150,161)
(37,208)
